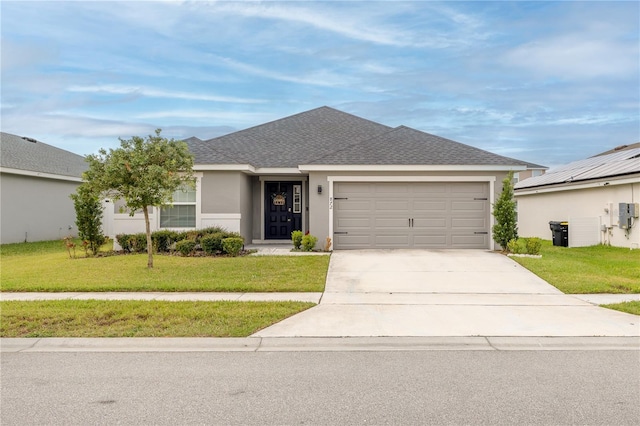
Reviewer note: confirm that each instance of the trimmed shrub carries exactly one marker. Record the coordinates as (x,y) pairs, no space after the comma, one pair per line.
(186,247)
(132,243)
(309,242)
(513,246)
(163,240)
(533,245)
(296,238)
(123,241)
(212,243)
(232,246)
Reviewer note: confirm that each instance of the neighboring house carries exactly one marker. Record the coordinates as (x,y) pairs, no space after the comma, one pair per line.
(36,180)
(588,195)
(335,175)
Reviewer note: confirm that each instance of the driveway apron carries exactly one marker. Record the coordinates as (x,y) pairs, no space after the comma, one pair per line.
(445,293)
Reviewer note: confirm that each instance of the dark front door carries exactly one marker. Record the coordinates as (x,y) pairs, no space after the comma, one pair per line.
(283,209)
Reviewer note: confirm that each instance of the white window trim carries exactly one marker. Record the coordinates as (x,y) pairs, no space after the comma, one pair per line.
(198,203)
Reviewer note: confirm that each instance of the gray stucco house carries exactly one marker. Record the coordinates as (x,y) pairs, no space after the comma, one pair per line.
(358,182)
(36,180)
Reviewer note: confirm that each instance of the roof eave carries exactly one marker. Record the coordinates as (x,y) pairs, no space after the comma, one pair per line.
(409,168)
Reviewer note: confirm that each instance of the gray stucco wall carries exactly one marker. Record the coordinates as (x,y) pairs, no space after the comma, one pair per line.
(246,207)
(35,209)
(221,192)
(229,192)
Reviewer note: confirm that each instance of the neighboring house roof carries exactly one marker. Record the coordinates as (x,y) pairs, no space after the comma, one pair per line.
(330,137)
(620,148)
(618,163)
(27,154)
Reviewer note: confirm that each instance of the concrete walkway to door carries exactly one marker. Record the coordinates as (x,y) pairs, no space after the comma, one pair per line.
(445,293)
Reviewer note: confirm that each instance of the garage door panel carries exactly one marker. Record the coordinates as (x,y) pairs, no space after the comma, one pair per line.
(430,188)
(417,214)
(353,223)
(429,241)
(429,223)
(468,222)
(469,241)
(400,207)
(427,206)
(382,223)
(474,188)
(457,205)
(353,241)
(392,188)
(355,205)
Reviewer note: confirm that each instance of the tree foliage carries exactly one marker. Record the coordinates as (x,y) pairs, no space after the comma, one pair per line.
(144,172)
(504,210)
(89,216)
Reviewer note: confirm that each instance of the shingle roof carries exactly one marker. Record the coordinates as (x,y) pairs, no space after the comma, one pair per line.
(290,141)
(618,163)
(21,153)
(330,137)
(406,146)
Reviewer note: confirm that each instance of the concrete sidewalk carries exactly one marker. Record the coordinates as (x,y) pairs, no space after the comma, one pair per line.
(365,298)
(167,296)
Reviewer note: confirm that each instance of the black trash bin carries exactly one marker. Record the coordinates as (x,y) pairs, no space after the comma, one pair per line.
(560,233)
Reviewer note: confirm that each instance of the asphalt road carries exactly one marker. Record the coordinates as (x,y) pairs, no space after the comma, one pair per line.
(326,388)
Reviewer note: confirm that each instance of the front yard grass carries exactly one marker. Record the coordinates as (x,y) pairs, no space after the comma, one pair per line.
(47,267)
(582,270)
(632,307)
(97,318)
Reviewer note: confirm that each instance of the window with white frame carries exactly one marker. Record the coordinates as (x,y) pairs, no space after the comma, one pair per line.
(182,214)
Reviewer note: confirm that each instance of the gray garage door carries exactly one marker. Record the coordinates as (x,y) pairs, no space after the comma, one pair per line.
(411,215)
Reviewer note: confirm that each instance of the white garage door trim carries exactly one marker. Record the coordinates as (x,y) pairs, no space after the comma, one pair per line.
(490,179)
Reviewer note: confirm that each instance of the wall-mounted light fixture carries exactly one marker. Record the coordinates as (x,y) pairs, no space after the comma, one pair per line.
(319,189)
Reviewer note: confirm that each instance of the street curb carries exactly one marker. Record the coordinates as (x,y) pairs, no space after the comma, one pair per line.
(316,344)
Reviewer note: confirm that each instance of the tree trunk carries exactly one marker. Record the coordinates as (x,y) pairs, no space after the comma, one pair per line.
(145,209)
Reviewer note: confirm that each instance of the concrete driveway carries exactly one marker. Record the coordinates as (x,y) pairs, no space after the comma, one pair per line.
(445,293)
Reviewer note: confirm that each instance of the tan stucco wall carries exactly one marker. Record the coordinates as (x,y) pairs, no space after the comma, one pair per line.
(35,209)
(536,210)
(319,203)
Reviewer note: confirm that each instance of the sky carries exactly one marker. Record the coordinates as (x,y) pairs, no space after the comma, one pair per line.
(544,82)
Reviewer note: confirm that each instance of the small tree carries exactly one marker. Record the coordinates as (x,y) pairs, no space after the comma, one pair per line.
(504,210)
(143,172)
(89,217)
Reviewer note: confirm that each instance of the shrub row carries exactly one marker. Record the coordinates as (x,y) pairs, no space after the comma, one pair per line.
(210,240)
(531,246)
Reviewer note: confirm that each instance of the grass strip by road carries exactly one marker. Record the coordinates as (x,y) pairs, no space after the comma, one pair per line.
(97,318)
(583,270)
(632,307)
(47,267)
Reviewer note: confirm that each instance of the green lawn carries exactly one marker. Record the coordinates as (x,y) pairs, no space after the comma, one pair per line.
(93,318)
(632,307)
(580,270)
(47,267)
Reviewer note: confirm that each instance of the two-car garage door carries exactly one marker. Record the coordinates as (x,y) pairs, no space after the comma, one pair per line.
(411,215)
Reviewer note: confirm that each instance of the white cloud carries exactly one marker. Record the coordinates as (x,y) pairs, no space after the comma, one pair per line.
(576,56)
(158,93)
